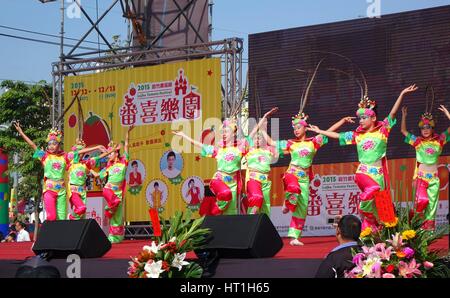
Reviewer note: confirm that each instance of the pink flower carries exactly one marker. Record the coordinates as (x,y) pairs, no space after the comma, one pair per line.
(116,170)
(430,151)
(56,166)
(388,275)
(80,174)
(304,152)
(382,252)
(363,168)
(261,159)
(357,259)
(408,270)
(229,157)
(368,145)
(376,270)
(397,241)
(409,252)
(428,265)
(350,274)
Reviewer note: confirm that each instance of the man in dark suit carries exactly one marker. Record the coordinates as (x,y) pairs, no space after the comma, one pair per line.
(340,258)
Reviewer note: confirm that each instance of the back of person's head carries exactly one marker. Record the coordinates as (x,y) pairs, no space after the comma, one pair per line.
(37,267)
(350,227)
(12,236)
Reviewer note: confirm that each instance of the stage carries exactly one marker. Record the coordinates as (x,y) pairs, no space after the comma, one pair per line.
(290,261)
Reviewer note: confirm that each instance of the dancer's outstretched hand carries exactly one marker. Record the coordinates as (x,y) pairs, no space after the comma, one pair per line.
(410,89)
(313,128)
(444,109)
(272,111)
(405,111)
(349,119)
(17,126)
(178,133)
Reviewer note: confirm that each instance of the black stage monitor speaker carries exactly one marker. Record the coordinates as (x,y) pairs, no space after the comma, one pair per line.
(64,237)
(243,236)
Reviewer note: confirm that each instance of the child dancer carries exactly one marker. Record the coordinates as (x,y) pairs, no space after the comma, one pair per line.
(259,158)
(54,162)
(428,148)
(78,169)
(226,182)
(114,190)
(370,138)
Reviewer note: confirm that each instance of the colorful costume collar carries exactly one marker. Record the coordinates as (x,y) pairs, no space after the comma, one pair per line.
(58,153)
(433,137)
(376,127)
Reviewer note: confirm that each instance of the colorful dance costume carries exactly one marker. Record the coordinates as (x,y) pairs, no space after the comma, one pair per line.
(299,174)
(113,192)
(78,171)
(258,183)
(427,183)
(54,191)
(226,183)
(371,147)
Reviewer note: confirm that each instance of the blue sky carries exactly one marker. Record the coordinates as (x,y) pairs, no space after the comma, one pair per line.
(30,61)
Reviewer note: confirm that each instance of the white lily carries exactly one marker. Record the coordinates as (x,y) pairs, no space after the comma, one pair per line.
(153,269)
(178,261)
(153,248)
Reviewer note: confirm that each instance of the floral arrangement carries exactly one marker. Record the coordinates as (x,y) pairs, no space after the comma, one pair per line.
(400,249)
(165,257)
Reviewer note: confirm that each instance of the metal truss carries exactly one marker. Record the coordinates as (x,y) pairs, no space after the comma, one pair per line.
(229,51)
(138,231)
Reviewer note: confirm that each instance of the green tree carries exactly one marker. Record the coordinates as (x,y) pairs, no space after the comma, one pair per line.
(31,106)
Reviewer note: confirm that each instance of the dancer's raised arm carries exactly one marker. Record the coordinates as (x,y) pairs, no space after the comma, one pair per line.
(341,122)
(447,113)
(187,138)
(316,129)
(127,138)
(261,122)
(399,100)
(24,136)
(403,126)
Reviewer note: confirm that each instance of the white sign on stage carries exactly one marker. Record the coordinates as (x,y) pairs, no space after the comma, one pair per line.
(329,196)
(95,208)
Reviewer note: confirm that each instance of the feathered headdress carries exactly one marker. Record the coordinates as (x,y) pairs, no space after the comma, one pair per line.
(79,145)
(427,118)
(366,107)
(111,146)
(231,114)
(301,117)
(55,135)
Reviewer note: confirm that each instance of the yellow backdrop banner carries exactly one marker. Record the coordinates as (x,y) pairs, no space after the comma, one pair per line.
(150,98)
